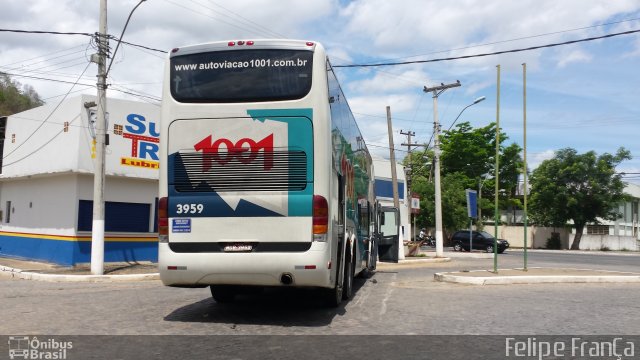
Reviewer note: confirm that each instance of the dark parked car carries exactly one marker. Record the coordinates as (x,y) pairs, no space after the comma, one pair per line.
(481,240)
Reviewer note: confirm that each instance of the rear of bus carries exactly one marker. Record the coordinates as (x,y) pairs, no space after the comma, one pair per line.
(244,129)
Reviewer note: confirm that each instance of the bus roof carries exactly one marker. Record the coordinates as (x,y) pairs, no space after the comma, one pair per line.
(246,45)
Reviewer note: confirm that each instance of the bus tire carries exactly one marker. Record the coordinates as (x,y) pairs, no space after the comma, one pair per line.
(332,297)
(349,274)
(223,293)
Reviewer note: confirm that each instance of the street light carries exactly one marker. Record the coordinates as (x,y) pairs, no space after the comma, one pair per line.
(481,98)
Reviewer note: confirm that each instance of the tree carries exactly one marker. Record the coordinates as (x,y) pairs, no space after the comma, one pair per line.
(467,161)
(453,200)
(582,188)
(13,99)
(511,166)
(471,153)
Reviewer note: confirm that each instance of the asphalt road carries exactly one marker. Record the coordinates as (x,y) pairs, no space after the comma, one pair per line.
(397,300)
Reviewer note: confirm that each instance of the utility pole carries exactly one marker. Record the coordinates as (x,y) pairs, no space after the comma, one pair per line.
(437,90)
(392,158)
(410,173)
(97,230)
(394,180)
(497,211)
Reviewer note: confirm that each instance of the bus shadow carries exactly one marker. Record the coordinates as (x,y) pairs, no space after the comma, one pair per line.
(274,306)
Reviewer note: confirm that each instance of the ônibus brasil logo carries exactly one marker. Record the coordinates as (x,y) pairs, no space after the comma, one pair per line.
(245,150)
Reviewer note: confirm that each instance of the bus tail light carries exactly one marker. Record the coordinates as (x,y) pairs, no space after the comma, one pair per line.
(241,43)
(320,218)
(163,220)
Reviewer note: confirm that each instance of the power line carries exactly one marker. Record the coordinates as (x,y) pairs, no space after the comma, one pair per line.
(145,50)
(211,17)
(384,147)
(130,92)
(45,32)
(48,116)
(43,56)
(74,91)
(77,33)
(121,36)
(491,53)
(45,59)
(46,79)
(42,146)
(137,45)
(249,22)
(520,38)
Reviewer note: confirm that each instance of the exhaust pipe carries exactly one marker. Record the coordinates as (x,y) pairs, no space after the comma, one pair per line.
(286,279)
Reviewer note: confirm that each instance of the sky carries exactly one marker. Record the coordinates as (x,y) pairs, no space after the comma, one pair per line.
(583,96)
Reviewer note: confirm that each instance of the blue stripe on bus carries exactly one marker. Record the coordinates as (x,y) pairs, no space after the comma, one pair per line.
(300,130)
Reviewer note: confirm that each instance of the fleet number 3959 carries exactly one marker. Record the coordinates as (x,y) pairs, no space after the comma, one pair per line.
(189,208)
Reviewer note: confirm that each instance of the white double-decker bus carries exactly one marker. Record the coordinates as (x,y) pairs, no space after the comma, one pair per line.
(265,179)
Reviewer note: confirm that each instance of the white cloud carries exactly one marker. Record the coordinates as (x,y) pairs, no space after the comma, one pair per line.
(391,80)
(535,159)
(573,56)
(578,81)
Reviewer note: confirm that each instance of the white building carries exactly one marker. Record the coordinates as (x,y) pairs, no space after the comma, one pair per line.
(46,182)
(384,190)
(621,234)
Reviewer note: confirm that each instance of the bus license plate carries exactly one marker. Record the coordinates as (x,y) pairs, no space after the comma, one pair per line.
(238,248)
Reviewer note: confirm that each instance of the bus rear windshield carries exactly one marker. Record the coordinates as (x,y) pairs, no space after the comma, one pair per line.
(241,76)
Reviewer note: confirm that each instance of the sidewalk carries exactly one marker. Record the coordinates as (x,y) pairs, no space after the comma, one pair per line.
(537,276)
(33,270)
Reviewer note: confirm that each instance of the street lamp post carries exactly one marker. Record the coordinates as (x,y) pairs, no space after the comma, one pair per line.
(481,98)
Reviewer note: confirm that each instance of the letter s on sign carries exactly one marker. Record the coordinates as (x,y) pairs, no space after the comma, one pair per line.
(137,124)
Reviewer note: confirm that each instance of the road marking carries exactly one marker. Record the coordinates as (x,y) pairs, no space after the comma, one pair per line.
(383,308)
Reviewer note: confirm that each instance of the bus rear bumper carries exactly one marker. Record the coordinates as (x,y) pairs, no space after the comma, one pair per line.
(305,269)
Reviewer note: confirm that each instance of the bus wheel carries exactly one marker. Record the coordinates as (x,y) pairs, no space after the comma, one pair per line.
(333,297)
(223,293)
(349,273)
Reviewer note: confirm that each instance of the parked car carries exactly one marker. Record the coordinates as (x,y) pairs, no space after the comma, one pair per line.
(481,240)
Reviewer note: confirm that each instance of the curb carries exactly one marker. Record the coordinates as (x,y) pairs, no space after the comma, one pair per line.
(28,275)
(579,252)
(534,279)
(414,261)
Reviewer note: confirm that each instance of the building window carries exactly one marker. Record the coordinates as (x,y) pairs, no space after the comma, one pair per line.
(117,129)
(118,217)
(598,229)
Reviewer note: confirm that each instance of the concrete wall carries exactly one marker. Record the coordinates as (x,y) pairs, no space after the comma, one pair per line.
(40,205)
(536,236)
(44,216)
(611,242)
(36,143)
(47,168)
